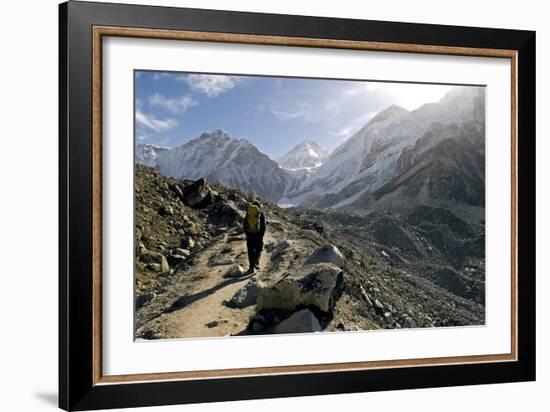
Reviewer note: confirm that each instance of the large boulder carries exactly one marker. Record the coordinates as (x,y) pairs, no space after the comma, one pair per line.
(316,286)
(327,254)
(246,296)
(155,259)
(302,321)
(198,194)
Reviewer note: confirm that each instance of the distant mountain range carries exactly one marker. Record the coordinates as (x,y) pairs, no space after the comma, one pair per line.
(236,163)
(432,155)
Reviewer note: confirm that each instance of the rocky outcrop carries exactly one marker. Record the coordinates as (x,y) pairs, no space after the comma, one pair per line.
(198,194)
(316,286)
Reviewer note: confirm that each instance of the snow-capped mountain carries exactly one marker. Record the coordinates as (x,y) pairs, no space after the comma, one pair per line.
(306,155)
(147,154)
(444,168)
(236,163)
(399,157)
(372,156)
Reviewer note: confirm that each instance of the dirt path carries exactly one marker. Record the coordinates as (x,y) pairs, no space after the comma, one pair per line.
(202,313)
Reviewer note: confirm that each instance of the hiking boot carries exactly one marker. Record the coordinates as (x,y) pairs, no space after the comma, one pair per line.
(251,271)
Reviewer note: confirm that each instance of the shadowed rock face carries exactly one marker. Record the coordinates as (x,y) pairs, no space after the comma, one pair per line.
(445,167)
(302,321)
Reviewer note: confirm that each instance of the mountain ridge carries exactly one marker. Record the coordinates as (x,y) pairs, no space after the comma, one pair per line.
(358,173)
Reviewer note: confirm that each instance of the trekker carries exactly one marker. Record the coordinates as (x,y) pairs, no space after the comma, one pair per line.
(254,228)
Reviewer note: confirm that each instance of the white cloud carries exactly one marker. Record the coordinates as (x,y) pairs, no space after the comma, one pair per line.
(288,114)
(175,105)
(158,76)
(407,95)
(153,123)
(291,107)
(210,84)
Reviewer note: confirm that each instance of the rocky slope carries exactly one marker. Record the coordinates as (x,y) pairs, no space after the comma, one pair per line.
(320,271)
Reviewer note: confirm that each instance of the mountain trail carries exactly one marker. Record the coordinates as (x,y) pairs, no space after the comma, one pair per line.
(201,311)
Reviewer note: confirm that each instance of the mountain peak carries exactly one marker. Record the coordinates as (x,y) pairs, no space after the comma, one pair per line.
(392,112)
(216,134)
(306,155)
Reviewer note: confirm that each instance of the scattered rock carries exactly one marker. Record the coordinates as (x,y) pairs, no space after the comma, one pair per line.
(327,254)
(302,321)
(140,248)
(378,307)
(212,324)
(153,267)
(155,258)
(365,296)
(175,260)
(318,286)
(188,243)
(178,256)
(144,299)
(166,210)
(408,322)
(235,272)
(181,252)
(178,192)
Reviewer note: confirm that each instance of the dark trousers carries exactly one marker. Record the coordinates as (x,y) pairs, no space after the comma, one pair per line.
(254,245)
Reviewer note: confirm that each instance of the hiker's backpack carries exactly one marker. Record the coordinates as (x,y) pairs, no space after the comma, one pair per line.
(253,219)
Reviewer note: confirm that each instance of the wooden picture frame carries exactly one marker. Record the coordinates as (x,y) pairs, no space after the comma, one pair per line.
(83,26)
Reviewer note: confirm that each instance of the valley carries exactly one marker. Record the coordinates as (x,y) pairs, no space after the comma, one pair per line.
(387,231)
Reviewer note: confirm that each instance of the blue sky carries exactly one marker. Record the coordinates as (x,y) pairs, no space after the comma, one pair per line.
(274,113)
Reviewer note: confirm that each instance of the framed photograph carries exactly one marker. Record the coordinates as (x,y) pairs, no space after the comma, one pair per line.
(256,205)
